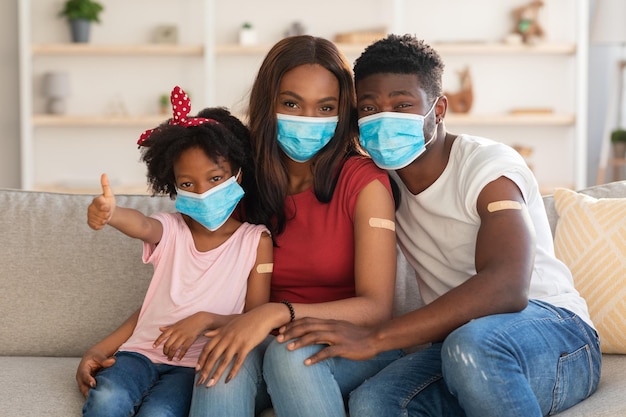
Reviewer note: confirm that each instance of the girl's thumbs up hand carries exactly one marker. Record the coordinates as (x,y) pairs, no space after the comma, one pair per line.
(101,209)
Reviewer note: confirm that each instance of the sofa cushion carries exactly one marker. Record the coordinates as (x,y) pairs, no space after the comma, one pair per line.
(613,189)
(61,286)
(590,238)
(37,386)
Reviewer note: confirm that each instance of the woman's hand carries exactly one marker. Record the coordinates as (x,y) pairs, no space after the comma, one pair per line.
(345,339)
(232,343)
(91,363)
(180,336)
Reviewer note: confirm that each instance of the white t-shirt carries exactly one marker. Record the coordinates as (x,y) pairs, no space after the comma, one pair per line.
(437,228)
(187,281)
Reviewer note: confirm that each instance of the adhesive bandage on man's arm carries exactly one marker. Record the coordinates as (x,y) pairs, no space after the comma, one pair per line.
(504,205)
(264,268)
(382,223)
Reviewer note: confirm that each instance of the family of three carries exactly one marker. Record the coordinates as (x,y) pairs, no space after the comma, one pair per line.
(273,280)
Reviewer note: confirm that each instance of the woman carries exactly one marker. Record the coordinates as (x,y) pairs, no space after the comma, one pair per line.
(332,220)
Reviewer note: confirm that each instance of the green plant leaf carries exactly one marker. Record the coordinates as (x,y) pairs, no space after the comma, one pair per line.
(82,9)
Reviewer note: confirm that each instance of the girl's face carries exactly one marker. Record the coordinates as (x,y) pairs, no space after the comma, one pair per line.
(195,172)
(308,90)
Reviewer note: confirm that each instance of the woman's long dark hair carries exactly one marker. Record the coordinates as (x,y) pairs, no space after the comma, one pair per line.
(271,171)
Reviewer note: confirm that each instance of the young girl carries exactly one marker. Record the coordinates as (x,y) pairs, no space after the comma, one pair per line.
(208,265)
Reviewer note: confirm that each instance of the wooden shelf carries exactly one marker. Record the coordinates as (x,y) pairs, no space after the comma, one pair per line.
(46,120)
(485,48)
(510,119)
(92,189)
(501,48)
(147,121)
(108,50)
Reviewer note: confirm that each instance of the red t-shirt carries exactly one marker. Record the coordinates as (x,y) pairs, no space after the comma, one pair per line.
(315,259)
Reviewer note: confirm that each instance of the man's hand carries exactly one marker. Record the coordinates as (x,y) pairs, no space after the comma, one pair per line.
(344,339)
(102,207)
(92,362)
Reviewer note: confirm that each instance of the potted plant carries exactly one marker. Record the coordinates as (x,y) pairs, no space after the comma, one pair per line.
(164,103)
(618,139)
(80,14)
(247,34)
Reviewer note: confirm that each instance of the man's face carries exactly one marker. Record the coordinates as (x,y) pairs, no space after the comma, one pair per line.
(387,92)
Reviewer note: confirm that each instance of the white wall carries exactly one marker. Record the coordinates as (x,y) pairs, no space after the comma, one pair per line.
(602,61)
(9,110)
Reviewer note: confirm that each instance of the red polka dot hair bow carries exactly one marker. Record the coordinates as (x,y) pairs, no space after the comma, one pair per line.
(181,106)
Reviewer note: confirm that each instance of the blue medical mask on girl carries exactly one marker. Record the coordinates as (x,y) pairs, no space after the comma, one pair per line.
(213,207)
(301,137)
(393,139)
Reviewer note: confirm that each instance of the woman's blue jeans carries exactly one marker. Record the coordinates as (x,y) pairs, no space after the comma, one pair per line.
(134,386)
(537,362)
(320,390)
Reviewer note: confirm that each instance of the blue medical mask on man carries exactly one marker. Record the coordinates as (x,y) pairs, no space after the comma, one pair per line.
(301,137)
(213,207)
(393,139)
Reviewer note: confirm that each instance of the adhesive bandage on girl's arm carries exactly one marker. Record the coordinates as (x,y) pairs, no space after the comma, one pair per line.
(504,205)
(382,223)
(264,268)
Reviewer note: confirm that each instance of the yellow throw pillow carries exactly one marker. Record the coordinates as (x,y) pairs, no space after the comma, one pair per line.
(590,238)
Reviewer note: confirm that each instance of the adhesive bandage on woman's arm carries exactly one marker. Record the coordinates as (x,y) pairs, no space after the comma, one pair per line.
(504,205)
(264,268)
(383,223)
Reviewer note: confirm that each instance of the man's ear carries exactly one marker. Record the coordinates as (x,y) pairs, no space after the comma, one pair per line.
(441,108)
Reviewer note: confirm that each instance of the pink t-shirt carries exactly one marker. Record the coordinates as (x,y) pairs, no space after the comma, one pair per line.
(187,281)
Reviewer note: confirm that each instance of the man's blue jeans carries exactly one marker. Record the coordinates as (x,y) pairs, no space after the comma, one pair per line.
(534,363)
(134,386)
(298,390)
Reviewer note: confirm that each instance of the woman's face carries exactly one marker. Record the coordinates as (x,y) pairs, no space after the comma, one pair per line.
(308,90)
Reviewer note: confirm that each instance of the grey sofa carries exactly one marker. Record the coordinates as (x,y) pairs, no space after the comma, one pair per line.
(65,286)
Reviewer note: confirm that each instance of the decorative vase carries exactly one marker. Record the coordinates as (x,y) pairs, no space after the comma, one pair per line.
(619,150)
(56,87)
(247,36)
(80,30)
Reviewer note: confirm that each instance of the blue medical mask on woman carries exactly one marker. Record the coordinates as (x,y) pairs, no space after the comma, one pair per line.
(213,207)
(302,137)
(393,139)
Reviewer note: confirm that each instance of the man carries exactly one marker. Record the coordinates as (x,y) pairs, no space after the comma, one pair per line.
(509,335)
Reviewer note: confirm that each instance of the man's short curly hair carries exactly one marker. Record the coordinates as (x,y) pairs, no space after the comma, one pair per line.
(405,54)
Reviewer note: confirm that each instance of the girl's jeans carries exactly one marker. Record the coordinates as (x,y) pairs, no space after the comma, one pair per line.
(537,362)
(134,386)
(298,390)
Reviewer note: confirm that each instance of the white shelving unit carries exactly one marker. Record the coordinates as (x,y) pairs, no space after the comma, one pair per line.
(551,74)
(508,79)
(117,79)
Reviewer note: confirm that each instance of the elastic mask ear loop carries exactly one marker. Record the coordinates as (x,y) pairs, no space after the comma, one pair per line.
(436,123)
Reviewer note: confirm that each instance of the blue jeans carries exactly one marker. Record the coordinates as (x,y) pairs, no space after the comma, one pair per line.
(134,386)
(295,389)
(537,362)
